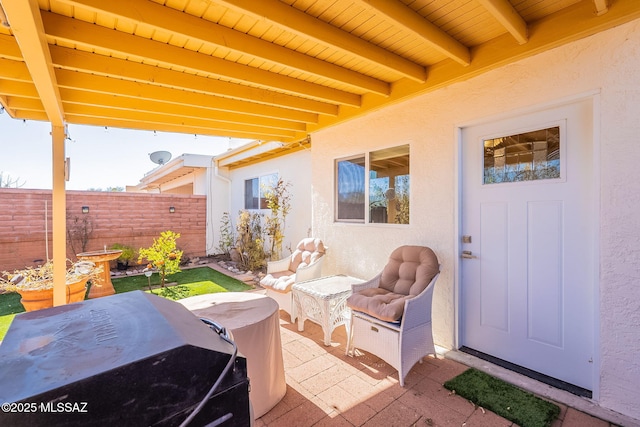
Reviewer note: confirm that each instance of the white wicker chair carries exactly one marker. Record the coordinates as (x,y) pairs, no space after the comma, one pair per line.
(404,341)
(305,263)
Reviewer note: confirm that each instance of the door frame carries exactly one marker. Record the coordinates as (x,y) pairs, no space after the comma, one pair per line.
(594,97)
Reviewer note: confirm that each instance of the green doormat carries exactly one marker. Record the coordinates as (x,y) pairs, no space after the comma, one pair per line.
(504,399)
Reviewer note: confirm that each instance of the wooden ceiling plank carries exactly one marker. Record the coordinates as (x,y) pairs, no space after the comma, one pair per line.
(508,18)
(309,27)
(14,70)
(9,48)
(164,127)
(418,25)
(569,24)
(93,36)
(70,96)
(39,116)
(73,59)
(107,85)
(28,29)
(22,89)
(25,104)
(195,29)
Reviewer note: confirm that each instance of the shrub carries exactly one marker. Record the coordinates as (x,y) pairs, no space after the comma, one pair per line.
(250,242)
(163,255)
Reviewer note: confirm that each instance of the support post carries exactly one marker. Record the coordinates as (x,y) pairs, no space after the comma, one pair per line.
(59,208)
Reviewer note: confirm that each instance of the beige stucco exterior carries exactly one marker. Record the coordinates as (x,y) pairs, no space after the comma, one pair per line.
(227,194)
(605,67)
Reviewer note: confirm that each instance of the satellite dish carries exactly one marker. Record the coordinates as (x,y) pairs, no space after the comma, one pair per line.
(160,157)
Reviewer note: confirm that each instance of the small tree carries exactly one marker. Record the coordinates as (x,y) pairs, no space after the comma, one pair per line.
(7,181)
(79,231)
(279,202)
(163,255)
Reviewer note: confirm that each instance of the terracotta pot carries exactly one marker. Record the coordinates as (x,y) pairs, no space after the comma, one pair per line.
(37,299)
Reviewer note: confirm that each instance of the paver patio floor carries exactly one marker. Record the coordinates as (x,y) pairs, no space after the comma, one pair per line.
(327,388)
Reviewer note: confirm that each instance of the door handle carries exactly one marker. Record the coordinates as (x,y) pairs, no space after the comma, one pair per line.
(467,255)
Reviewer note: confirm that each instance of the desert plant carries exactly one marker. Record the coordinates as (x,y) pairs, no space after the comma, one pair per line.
(227,237)
(41,276)
(250,241)
(128,253)
(163,255)
(279,203)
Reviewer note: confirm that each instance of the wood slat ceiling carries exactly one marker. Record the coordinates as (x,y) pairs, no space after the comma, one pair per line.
(263,69)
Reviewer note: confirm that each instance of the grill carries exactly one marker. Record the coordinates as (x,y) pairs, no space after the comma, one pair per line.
(128,359)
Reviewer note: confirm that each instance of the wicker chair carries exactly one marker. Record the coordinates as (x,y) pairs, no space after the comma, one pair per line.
(305,263)
(391,313)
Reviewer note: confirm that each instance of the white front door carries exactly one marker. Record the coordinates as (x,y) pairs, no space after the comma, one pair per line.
(527,276)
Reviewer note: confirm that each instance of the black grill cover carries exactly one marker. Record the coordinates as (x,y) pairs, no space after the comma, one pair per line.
(128,359)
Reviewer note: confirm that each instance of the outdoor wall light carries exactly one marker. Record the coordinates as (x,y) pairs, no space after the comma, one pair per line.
(172,209)
(85,209)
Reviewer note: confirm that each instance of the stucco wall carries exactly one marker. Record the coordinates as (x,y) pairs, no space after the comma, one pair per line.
(608,63)
(293,168)
(192,183)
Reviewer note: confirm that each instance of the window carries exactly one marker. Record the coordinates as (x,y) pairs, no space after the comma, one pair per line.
(527,156)
(382,178)
(254,191)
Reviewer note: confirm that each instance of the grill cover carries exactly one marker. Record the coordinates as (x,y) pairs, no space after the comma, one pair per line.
(127,359)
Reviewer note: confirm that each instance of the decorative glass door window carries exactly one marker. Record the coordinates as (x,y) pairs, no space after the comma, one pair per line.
(526,156)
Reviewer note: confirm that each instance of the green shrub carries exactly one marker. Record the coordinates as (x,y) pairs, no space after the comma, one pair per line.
(163,255)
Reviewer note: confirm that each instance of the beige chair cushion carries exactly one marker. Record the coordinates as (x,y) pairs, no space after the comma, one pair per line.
(307,251)
(407,274)
(281,281)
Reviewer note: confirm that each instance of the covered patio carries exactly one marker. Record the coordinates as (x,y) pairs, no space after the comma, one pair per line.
(292,73)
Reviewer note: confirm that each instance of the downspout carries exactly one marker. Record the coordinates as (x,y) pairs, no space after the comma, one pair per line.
(210,202)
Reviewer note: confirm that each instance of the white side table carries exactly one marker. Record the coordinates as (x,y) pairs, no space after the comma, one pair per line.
(324,301)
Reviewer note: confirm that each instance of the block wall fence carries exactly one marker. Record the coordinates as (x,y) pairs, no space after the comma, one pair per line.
(133,219)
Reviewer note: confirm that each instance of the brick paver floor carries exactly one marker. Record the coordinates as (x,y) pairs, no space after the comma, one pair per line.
(327,388)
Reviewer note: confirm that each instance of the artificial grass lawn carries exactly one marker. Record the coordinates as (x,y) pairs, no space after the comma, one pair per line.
(504,399)
(202,280)
(195,281)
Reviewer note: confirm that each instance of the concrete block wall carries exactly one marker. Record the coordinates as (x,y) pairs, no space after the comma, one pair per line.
(133,219)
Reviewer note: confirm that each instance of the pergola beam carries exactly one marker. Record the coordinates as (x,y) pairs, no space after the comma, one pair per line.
(508,18)
(196,29)
(110,86)
(305,25)
(602,6)
(86,62)
(413,22)
(92,36)
(28,30)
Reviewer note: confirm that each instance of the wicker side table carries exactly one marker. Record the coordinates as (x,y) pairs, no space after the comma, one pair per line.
(324,301)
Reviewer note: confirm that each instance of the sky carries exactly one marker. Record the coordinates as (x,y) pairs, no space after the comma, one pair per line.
(100,158)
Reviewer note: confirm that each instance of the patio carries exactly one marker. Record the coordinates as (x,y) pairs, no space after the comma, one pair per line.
(327,80)
(327,388)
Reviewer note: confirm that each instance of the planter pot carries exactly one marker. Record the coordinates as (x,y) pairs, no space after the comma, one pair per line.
(37,299)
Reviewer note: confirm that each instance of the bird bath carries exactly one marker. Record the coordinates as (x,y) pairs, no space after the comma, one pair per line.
(102,286)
